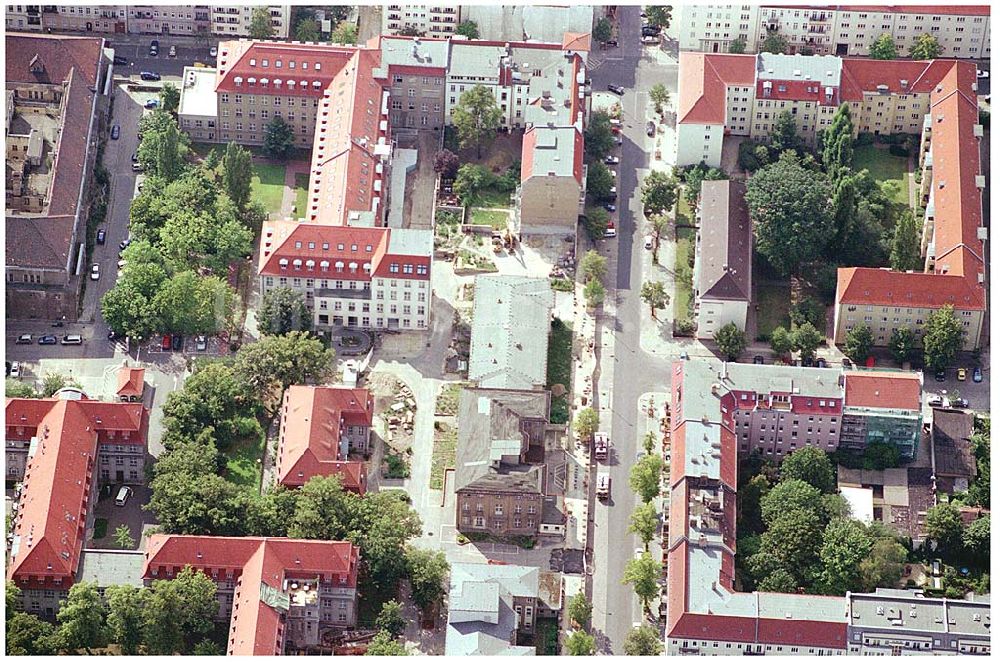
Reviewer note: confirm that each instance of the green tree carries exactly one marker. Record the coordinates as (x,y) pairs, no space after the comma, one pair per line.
(790,208)
(428,572)
(693,178)
(385,644)
(189,304)
(944,525)
(643,522)
(781,341)
(13,597)
(16,389)
(162,150)
(775,42)
(731,340)
(738,46)
(976,537)
(883,566)
(926,47)
(659,96)
(659,193)
(600,181)
(785,134)
(654,294)
(283,309)
(905,252)
(271,365)
(126,605)
(659,15)
(53,381)
(237,171)
(598,139)
(123,537)
(902,344)
(387,524)
(883,48)
(307,29)
(468,29)
(646,476)
(643,640)
(593,265)
(390,618)
(943,335)
(260,24)
(81,619)
(579,609)
(580,643)
(345,33)
(659,224)
(810,465)
(446,163)
(178,610)
(791,494)
(778,581)
(170,97)
(596,222)
(602,30)
(846,544)
(642,573)
(207,647)
(29,635)
(845,216)
(838,142)
(476,118)
(215,397)
(279,139)
(470,179)
(586,423)
(806,339)
(593,293)
(858,343)
(130,312)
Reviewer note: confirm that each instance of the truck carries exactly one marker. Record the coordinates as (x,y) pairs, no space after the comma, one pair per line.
(601,446)
(603,487)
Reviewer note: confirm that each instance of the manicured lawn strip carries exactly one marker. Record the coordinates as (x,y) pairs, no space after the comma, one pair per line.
(773,301)
(243,462)
(683,274)
(685,215)
(560,366)
(301,193)
(490,197)
(883,167)
(492,217)
(268,185)
(100,528)
(443,456)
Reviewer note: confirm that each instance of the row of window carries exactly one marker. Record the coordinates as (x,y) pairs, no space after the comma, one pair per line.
(277,101)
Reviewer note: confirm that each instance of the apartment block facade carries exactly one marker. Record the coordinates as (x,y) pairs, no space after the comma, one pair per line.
(169,19)
(229,21)
(842,30)
(235,21)
(421,20)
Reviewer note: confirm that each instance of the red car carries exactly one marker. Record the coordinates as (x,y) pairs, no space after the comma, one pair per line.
(165,343)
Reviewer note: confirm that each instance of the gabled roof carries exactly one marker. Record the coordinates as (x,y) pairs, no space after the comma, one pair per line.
(701,97)
(290,240)
(235,57)
(131,381)
(882,390)
(724,255)
(52,57)
(884,287)
(576,41)
(862,75)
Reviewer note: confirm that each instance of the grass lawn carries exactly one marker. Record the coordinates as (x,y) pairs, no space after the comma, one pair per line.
(243,462)
(492,217)
(685,215)
(884,167)
(490,197)
(268,185)
(100,528)
(683,274)
(301,193)
(773,301)
(447,400)
(560,366)
(547,636)
(445,442)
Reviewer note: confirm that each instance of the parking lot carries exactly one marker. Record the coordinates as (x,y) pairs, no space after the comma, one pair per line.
(131,515)
(135,48)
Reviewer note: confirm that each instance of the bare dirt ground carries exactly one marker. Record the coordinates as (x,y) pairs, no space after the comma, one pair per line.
(500,155)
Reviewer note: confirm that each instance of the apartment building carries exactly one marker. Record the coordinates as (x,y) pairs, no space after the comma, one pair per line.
(842,30)
(497,490)
(953,235)
(61,450)
(57,98)
(23,18)
(415,71)
(545,23)
(489,607)
(198,111)
(707,615)
(421,20)
(723,261)
(278,594)
(882,407)
(321,427)
(235,21)
(169,19)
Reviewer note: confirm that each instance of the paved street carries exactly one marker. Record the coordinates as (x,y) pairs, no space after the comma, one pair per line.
(136,49)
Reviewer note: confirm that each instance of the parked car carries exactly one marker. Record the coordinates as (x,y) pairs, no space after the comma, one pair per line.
(650,30)
(962,374)
(650,129)
(112,336)
(977,374)
(648,243)
(95,272)
(639,551)
(172,52)
(124,244)
(939,376)
(72,339)
(165,342)
(135,157)
(15,369)
(612,160)
(201,343)
(23,339)
(123,495)
(935,400)
(610,232)
(154,51)
(151,103)
(846,362)
(611,43)
(149,75)
(121,60)
(48,340)
(980,73)
(213,51)
(102,236)
(617,89)
(177,342)
(116,131)
(650,39)
(136,167)
(610,207)
(960,403)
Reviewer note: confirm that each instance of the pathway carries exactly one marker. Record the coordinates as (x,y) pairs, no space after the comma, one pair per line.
(292,168)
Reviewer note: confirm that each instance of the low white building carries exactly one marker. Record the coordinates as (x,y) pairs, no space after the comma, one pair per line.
(199,107)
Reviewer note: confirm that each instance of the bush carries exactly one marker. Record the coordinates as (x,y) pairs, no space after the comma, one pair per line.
(898,150)
(808,310)
(397,467)
(684,327)
(750,157)
(865,139)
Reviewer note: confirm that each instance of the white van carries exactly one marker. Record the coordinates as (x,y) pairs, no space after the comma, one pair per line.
(72,339)
(123,495)
(603,487)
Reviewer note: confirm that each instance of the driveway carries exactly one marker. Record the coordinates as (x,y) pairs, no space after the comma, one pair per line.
(131,515)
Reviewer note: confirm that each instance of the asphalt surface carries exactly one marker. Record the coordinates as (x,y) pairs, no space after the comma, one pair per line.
(616,607)
(136,49)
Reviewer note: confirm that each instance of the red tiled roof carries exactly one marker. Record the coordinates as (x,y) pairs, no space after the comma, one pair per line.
(59,55)
(884,390)
(703,80)
(234,62)
(884,287)
(951,10)
(50,524)
(280,238)
(131,381)
(860,75)
(576,41)
(311,424)
(799,632)
(799,90)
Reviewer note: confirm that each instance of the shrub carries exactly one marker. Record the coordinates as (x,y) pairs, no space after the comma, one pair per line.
(396,467)
(684,327)
(898,150)
(865,139)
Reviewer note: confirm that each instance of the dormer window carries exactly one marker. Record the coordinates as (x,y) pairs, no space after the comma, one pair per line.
(291,64)
(326,246)
(368,248)
(283,263)
(263,63)
(340,247)
(316,66)
(253,62)
(354,248)
(312,245)
(277,64)
(310,265)
(324,265)
(297,263)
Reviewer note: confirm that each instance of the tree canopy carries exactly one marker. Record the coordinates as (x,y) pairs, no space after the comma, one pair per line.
(731,340)
(260,24)
(468,29)
(602,30)
(654,294)
(642,573)
(659,193)
(283,309)
(279,139)
(345,33)
(643,640)
(858,343)
(810,465)
(926,47)
(646,476)
(598,138)
(775,42)
(476,118)
(883,48)
(943,335)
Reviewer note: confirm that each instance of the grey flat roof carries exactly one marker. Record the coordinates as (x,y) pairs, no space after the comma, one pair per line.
(904,610)
(198,93)
(544,23)
(414,52)
(469,637)
(475,61)
(952,430)
(405,241)
(724,257)
(108,567)
(554,151)
(824,69)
